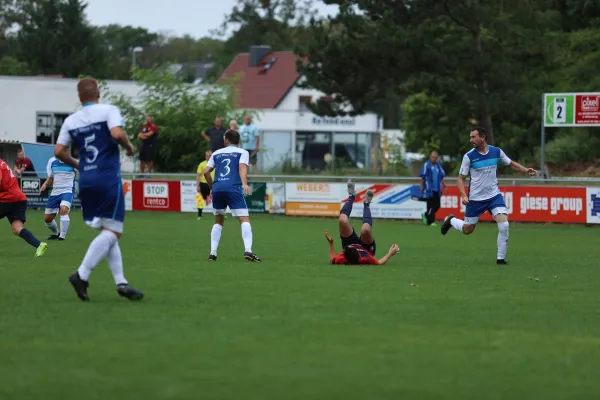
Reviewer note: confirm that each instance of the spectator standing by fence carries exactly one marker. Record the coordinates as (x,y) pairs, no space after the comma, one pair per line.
(432,183)
(215,135)
(23,164)
(250,140)
(149,136)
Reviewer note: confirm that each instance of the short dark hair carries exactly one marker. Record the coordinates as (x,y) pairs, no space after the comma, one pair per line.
(351,255)
(233,136)
(479,130)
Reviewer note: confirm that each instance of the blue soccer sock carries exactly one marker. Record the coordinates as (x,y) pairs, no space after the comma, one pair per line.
(367,215)
(29,238)
(347,207)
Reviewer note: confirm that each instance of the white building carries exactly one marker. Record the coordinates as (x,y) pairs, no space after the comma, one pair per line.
(289,131)
(32,110)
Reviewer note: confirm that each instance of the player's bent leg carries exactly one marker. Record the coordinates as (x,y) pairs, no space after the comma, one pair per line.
(50,221)
(18,229)
(467,229)
(503,228)
(366,234)
(344,226)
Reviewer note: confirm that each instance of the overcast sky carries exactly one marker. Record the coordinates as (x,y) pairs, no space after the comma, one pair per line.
(180,17)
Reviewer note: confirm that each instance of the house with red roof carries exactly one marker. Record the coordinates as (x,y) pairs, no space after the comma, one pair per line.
(290,133)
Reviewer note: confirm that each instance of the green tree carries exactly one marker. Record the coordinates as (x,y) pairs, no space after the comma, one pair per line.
(180,110)
(12,66)
(118,42)
(469,59)
(54,38)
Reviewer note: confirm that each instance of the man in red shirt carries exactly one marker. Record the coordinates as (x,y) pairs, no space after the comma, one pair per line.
(148,135)
(23,163)
(13,206)
(357,250)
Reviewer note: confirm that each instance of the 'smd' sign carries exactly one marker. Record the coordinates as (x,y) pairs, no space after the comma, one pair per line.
(30,186)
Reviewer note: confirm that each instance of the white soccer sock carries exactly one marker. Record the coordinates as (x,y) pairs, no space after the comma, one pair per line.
(215,237)
(53,227)
(502,240)
(96,252)
(457,224)
(247,236)
(115,263)
(64,225)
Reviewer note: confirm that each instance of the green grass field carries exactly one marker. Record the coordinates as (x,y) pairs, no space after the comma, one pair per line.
(295,327)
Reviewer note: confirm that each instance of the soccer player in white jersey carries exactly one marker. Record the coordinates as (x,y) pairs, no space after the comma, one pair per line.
(228,189)
(62,179)
(97,129)
(481,163)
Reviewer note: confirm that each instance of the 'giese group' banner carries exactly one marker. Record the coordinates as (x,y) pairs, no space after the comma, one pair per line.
(529,204)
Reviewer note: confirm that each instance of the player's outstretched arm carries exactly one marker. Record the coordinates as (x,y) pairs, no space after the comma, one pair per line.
(518,167)
(392,252)
(332,252)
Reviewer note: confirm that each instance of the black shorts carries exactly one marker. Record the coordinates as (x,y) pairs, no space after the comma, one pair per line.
(253,157)
(14,211)
(204,190)
(354,239)
(147,152)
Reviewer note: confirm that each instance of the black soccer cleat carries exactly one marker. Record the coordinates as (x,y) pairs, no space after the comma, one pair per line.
(129,292)
(54,237)
(447,224)
(80,286)
(212,257)
(251,257)
(501,262)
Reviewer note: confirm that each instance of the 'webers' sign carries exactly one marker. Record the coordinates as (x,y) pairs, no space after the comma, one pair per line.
(529,204)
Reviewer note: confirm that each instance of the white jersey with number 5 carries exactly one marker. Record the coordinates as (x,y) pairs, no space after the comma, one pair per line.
(226,163)
(483,168)
(89,128)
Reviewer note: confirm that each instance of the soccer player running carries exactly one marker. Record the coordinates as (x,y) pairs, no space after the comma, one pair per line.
(357,250)
(97,129)
(481,163)
(62,179)
(231,183)
(13,206)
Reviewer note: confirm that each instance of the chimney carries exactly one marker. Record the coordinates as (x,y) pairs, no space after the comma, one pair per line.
(257,53)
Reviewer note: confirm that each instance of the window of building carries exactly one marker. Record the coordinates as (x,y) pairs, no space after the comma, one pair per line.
(303,102)
(48,126)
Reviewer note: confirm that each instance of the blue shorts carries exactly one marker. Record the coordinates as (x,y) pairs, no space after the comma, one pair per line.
(103,206)
(55,202)
(494,206)
(354,239)
(234,200)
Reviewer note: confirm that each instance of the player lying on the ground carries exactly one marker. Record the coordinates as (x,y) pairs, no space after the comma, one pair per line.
(13,206)
(357,250)
(62,179)
(481,163)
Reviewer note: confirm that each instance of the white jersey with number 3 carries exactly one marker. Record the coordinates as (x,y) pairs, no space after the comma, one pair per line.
(483,169)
